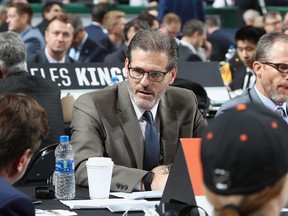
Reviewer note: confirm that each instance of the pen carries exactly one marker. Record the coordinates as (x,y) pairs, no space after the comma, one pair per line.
(37,202)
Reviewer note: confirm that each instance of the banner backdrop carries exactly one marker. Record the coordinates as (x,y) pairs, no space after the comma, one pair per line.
(79,76)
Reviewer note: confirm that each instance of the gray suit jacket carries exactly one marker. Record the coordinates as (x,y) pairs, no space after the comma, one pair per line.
(105,124)
(33,39)
(249,95)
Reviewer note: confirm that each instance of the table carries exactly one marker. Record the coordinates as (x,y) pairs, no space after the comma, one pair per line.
(81,193)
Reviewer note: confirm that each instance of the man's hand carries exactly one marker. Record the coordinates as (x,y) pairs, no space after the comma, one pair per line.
(160,177)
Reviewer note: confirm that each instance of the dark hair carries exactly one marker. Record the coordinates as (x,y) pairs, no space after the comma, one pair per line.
(249,33)
(137,24)
(48,5)
(22,8)
(98,12)
(155,41)
(146,16)
(23,125)
(266,43)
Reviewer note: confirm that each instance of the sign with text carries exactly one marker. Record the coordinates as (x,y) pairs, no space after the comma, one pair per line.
(79,76)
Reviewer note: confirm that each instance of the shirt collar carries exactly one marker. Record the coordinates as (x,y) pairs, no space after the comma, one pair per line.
(139,112)
(267,102)
(51,59)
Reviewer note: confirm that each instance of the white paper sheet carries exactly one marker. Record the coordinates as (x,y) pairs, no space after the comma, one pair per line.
(113,205)
(139,195)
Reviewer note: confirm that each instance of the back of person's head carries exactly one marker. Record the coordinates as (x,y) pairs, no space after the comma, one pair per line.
(244,160)
(265,44)
(98,12)
(23,125)
(49,5)
(12,53)
(170,18)
(250,33)
(76,22)
(22,8)
(150,19)
(192,26)
(137,25)
(155,41)
(212,21)
(249,16)
(111,19)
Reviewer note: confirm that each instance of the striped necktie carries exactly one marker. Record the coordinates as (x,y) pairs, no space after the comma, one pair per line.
(281,112)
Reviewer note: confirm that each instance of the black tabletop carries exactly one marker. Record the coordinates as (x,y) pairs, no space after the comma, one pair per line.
(81,193)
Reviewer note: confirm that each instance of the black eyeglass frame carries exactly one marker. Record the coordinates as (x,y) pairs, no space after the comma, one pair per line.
(143,72)
(276,66)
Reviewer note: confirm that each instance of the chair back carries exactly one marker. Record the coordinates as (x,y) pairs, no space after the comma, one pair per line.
(40,168)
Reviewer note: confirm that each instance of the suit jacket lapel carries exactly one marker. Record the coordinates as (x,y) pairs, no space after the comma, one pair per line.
(254,96)
(130,124)
(169,134)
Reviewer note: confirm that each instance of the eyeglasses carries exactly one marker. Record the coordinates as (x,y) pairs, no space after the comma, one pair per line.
(280,67)
(274,23)
(138,73)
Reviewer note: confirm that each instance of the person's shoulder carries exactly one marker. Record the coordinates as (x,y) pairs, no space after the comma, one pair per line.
(244,98)
(179,94)
(9,193)
(38,57)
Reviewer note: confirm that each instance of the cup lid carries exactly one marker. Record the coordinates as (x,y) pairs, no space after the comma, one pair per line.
(99,161)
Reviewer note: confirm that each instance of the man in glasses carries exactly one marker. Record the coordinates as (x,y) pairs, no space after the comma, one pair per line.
(273,21)
(271,69)
(137,122)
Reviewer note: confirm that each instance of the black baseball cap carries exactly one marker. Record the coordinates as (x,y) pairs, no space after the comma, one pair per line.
(244,150)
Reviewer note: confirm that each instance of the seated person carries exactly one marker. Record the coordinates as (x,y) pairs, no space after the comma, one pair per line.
(23,125)
(238,73)
(245,164)
(14,78)
(112,122)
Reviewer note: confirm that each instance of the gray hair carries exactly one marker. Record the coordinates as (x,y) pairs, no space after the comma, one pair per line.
(250,14)
(12,53)
(76,22)
(265,44)
(155,41)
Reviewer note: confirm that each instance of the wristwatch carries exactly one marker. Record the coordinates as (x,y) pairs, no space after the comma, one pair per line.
(147,180)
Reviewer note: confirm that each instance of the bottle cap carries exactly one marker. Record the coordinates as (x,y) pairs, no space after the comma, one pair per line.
(64,138)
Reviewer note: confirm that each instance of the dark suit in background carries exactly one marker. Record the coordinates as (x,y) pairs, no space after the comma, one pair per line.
(186,54)
(91,52)
(40,57)
(117,56)
(13,202)
(185,9)
(33,40)
(46,93)
(220,43)
(95,32)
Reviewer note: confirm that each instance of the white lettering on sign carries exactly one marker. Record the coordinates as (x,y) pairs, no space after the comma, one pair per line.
(33,71)
(104,75)
(92,72)
(64,73)
(81,77)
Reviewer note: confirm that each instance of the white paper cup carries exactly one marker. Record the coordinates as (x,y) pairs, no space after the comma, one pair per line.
(99,171)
